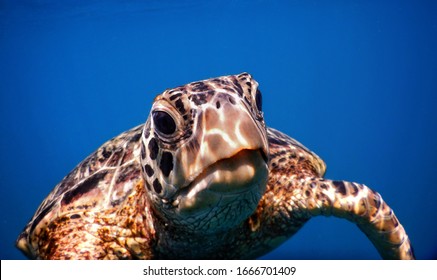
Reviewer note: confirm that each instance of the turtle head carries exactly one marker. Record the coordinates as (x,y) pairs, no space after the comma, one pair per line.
(205,153)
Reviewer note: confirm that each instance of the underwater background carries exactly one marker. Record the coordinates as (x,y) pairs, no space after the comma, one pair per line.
(354,81)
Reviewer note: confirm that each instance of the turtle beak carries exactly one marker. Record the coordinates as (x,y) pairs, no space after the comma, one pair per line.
(224,131)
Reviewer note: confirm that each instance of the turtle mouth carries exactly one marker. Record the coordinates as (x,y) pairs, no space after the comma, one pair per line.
(245,173)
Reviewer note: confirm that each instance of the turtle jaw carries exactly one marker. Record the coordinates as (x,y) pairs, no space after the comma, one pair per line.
(232,175)
(225,193)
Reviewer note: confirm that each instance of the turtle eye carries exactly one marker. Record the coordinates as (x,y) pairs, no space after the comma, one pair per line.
(259,100)
(164,123)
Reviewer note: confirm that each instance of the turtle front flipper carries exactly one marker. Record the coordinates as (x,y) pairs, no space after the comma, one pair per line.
(297,191)
(124,231)
(360,205)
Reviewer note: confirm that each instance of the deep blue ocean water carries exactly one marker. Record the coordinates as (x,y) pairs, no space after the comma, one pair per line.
(354,81)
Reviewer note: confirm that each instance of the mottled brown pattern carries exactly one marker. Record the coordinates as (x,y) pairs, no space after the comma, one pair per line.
(121,201)
(120,232)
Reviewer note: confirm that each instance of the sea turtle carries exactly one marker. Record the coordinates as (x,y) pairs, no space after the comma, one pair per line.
(203,178)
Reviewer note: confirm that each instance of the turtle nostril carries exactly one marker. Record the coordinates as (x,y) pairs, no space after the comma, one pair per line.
(231,100)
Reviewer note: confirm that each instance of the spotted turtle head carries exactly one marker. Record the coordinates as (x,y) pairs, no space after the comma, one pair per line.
(205,153)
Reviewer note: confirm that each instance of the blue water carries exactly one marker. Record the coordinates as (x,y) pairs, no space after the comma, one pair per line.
(355,81)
